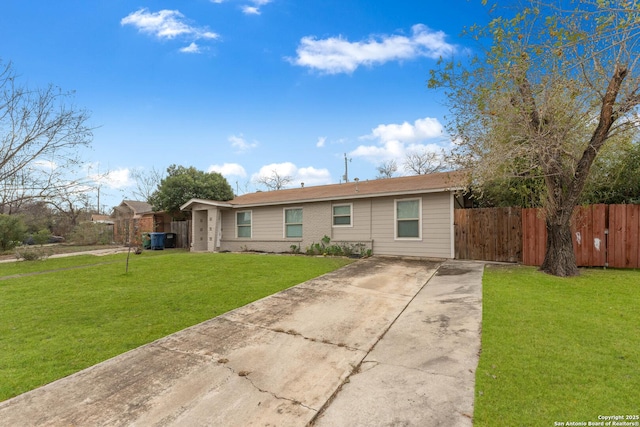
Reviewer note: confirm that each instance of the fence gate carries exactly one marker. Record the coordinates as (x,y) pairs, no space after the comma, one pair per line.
(183,233)
(491,234)
(624,236)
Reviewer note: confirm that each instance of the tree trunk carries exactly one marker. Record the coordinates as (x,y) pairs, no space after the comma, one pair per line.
(559,259)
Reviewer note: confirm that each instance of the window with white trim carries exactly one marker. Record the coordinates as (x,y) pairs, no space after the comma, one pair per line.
(342,215)
(293,222)
(243,224)
(408,217)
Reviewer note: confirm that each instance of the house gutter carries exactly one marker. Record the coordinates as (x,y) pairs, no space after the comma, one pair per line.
(344,197)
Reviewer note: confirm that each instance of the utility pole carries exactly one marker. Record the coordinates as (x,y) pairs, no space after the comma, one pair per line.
(346,168)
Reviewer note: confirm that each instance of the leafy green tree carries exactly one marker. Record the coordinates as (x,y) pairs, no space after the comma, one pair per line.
(614,179)
(183,184)
(556,82)
(615,175)
(522,192)
(12,231)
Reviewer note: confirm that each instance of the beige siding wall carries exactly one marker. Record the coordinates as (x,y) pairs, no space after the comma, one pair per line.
(267,231)
(436,240)
(360,229)
(372,220)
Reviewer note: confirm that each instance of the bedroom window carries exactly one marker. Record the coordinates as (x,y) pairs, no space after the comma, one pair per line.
(408,219)
(243,224)
(293,222)
(342,215)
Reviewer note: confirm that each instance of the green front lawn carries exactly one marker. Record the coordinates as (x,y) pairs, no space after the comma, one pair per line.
(82,310)
(558,350)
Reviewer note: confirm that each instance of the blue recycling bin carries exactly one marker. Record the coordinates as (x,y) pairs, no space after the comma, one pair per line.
(157,241)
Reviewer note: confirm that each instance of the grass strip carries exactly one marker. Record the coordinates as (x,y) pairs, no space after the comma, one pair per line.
(558,350)
(55,324)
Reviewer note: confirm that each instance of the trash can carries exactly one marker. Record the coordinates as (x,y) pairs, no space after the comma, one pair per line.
(157,241)
(170,240)
(146,241)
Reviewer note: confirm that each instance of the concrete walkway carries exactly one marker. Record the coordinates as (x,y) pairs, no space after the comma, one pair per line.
(381,342)
(97,252)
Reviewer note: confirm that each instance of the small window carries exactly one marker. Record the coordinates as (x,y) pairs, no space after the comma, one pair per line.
(342,216)
(243,224)
(408,223)
(293,222)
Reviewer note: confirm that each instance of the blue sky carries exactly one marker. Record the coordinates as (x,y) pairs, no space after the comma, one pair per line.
(243,87)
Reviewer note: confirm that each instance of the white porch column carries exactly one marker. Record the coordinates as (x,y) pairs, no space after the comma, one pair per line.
(199,230)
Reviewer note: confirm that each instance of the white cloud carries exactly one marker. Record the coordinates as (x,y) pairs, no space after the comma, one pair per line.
(336,55)
(251,7)
(240,144)
(254,7)
(312,176)
(228,169)
(46,164)
(309,175)
(420,130)
(321,141)
(388,150)
(250,10)
(395,141)
(192,48)
(118,178)
(168,24)
(283,169)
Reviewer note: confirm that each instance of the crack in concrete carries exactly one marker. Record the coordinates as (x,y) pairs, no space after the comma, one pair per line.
(295,333)
(410,368)
(206,357)
(358,367)
(275,396)
(322,341)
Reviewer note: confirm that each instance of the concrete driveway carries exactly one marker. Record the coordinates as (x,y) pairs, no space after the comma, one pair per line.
(381,342)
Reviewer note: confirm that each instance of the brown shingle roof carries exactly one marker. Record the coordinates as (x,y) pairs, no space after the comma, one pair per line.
(362,189)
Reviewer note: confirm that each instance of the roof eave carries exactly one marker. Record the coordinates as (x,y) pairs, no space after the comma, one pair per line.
(347,197)
(189,205)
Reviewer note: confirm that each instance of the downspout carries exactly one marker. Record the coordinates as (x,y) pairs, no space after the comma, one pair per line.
(371,224)
(452,216)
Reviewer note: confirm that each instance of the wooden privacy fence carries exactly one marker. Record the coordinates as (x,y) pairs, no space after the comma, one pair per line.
(491,234)
(603,235)
(183,233)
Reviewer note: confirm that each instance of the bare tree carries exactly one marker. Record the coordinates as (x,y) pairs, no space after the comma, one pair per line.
(72,203)
(40,134)
(147,183)
(387,169)
(558,81)
(275,181)
(422,162)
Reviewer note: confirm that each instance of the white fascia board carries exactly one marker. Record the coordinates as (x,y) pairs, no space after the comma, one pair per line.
(190,203)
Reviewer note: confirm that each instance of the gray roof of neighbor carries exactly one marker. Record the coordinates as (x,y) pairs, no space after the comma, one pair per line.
(136,207)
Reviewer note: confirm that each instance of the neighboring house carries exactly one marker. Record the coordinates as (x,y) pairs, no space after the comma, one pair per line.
(407,216)
(101,219)
(132,218)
